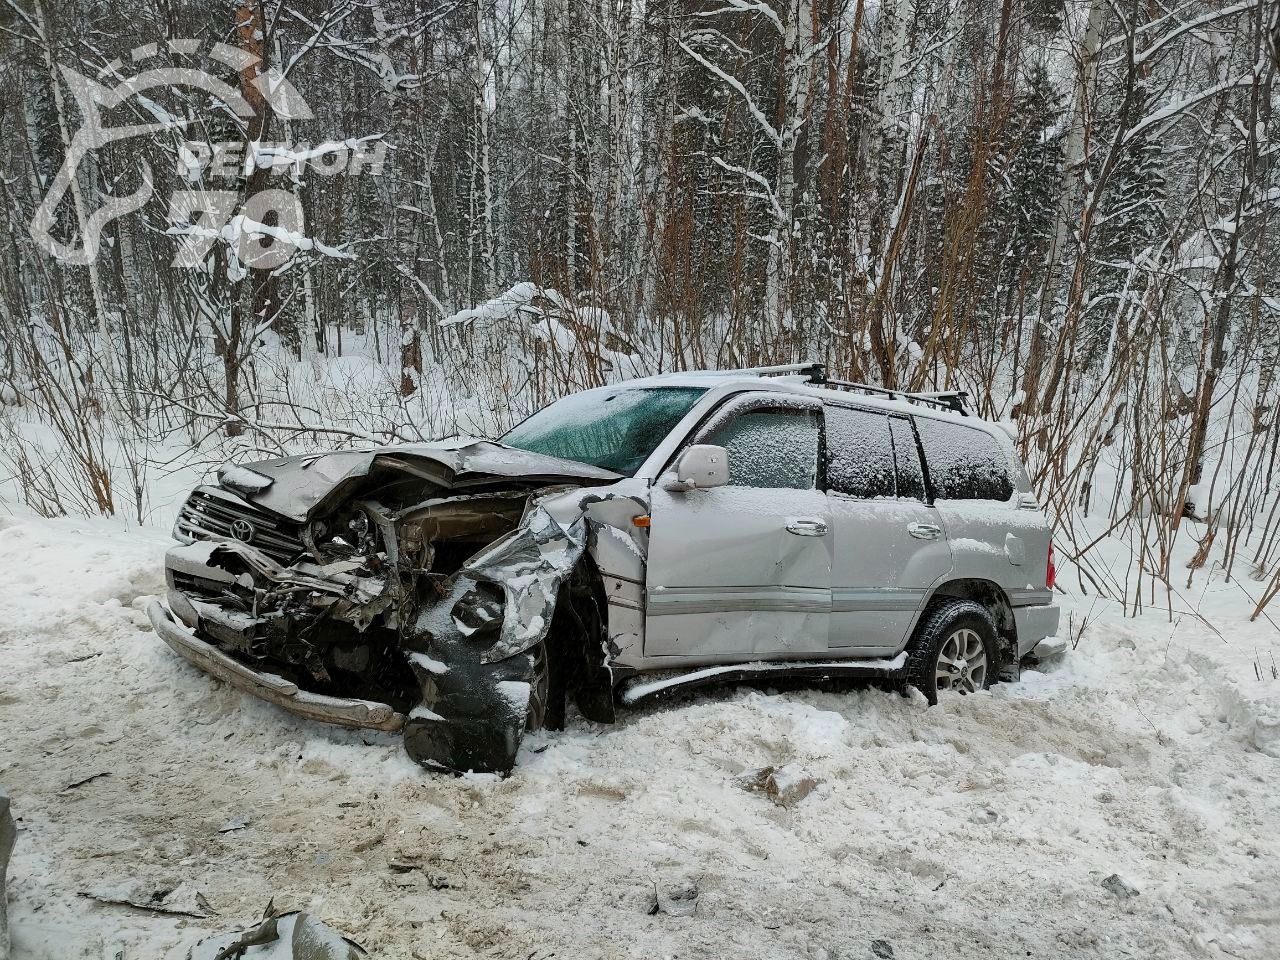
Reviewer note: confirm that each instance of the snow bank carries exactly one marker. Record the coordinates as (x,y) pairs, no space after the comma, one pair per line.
(983,827)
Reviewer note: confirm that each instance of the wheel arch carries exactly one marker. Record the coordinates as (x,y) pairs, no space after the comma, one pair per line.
(991,595)
(577,643)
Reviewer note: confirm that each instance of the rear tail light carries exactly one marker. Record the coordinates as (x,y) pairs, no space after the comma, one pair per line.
(1051,572)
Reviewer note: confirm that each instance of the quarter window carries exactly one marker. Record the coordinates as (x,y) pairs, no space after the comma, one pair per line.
(771,448)
(964,463)
(859,453)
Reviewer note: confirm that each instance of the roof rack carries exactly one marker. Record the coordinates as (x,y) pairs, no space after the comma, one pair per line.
(816,374)
(953,400)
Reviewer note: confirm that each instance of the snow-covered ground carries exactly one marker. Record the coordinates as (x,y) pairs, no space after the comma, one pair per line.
(980,828)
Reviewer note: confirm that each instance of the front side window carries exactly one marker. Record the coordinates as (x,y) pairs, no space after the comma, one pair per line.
(964,463)
(615,430)
(859,453)
(770,447)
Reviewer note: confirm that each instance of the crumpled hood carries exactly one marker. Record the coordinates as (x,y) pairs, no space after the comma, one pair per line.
(300,486)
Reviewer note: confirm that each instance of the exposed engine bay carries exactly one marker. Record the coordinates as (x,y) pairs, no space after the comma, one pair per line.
(420,581)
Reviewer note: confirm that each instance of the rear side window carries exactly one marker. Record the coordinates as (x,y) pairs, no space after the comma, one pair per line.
(859,453)
(964,463)
(771,448)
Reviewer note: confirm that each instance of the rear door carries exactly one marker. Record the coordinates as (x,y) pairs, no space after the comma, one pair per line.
(743,572)
(890,544)
(976,489)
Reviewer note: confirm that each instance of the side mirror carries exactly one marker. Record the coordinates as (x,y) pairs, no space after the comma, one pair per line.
(699,467)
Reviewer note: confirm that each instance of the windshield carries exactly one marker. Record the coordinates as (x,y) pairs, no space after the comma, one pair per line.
(616,430)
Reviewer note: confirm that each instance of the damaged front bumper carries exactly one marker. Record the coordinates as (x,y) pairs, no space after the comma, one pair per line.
(364,714)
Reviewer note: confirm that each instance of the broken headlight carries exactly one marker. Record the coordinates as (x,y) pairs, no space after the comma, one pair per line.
(345,536)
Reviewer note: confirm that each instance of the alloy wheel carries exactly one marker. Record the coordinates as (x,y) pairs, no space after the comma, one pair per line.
(962,663)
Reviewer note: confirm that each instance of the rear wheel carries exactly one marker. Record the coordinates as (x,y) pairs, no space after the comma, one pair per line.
(954,650)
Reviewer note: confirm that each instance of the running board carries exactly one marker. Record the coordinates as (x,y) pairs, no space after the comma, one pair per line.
(655,684)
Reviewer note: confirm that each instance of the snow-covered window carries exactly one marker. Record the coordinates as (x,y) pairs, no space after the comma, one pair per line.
(771,448)
(859,453)
(964,463)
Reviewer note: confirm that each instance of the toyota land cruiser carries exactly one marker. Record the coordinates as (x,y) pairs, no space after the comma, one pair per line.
(620,543)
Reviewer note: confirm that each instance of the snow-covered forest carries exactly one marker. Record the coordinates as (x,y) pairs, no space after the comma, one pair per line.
(1062,207)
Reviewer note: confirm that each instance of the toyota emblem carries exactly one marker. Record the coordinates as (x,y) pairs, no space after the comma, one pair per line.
(242,530)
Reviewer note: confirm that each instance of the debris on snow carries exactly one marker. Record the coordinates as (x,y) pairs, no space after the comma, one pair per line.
(288,936)
(753,780)
(1122,889)
(785,786)
(678,899)
(882,949)
(89,779)
(182,900)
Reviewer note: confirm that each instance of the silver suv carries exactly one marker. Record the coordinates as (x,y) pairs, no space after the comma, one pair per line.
(619,544)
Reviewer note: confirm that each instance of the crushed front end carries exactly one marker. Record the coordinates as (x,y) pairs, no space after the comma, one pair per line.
(403,588)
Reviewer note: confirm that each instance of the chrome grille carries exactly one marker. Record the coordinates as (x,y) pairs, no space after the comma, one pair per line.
(210,513)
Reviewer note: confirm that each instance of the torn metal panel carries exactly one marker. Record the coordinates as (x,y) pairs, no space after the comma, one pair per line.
(337,579)
(529,563)
(473,713)
(288,936)
(532,561)
(620,549)
(479,652)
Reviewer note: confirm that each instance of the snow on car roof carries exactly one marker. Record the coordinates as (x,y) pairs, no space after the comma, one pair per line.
(731,381)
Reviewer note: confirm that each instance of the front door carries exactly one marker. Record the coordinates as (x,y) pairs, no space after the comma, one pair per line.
(743,572)
(890,544)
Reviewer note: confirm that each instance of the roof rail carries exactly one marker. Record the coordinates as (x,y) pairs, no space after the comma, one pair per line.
(954,400)
(775,370)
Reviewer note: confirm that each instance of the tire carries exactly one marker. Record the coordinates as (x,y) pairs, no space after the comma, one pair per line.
(954,649)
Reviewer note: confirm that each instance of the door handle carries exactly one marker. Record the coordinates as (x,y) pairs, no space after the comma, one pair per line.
(807,528)
(924,531)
